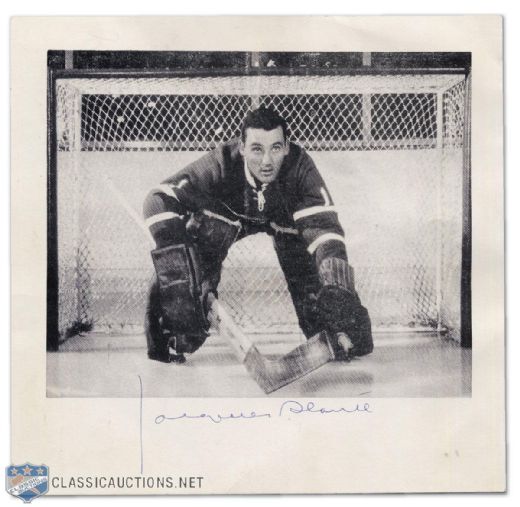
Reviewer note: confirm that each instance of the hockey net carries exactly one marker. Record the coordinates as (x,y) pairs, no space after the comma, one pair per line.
(390,148)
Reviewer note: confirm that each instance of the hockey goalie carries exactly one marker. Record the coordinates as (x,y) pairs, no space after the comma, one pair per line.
(260,182)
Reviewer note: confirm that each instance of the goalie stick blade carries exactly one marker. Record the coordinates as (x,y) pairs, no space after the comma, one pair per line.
(271,375)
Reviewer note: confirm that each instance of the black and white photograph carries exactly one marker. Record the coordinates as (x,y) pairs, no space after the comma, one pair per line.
(250,223)
(257,255)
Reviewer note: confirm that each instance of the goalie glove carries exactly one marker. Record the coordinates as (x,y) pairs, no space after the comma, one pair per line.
(340,310)
(176,315)
(212,232)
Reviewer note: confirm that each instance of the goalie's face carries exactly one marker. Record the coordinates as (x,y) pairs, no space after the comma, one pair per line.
(264,151)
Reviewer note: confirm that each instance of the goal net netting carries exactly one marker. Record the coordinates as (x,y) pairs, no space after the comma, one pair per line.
(390,148)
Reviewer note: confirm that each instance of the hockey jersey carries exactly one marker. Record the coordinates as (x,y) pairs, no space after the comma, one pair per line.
(297,203)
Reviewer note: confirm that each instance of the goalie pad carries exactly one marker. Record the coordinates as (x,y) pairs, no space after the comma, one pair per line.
(340,309)
(159,340)
(156,339)
(335,271)
(183,323)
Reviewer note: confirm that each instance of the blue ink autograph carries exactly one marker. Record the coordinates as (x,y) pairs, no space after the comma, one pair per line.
(286,408)
(218,418)
(295,407)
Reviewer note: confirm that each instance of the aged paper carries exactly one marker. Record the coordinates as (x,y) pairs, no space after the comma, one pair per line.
(126,431)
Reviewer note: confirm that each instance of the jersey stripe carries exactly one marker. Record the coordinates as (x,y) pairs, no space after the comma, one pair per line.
(286,230)
(326,197)
(328,236)
(313,210)
(166,189)
(211,214)
(160,217)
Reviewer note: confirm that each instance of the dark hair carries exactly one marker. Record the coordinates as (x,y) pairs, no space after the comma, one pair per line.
(263,118)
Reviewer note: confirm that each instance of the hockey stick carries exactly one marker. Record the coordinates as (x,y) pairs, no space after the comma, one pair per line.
(273,374)
(270,375)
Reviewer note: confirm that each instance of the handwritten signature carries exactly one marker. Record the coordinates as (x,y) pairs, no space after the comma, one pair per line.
(286,408)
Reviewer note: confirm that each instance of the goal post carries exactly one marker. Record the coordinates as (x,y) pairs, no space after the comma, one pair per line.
(389,146)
